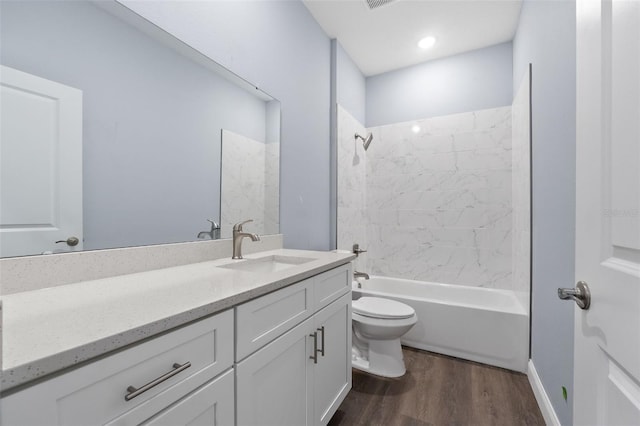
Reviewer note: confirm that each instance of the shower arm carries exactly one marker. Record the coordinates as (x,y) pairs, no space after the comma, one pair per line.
(365,141)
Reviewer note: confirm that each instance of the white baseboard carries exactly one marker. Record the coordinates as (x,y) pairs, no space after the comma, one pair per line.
(549,414)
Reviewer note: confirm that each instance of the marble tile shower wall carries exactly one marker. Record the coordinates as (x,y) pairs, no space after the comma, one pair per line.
(352,185)
(438,199)
(243,183)
(272,188)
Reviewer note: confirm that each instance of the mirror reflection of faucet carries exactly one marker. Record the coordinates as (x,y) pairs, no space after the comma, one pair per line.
(238,236)
(213,234)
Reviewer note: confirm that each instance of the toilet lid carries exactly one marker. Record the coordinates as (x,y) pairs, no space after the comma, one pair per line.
(377,307)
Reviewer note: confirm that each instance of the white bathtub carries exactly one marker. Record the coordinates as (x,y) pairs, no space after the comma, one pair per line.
(479,324)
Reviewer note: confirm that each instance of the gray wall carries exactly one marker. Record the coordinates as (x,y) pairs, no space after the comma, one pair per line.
(466,82)
(350,85)
(278,46)
(546,38)
(152,120)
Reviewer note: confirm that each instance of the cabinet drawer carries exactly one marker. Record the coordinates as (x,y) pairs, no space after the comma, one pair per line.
(95,393)
(210,405)
(332,284)
(262,320)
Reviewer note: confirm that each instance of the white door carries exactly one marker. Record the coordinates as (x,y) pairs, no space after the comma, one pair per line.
(40,164)
(607,335)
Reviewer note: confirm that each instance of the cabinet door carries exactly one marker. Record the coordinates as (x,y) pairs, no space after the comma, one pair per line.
(333,370)
(211,405)
(274,385)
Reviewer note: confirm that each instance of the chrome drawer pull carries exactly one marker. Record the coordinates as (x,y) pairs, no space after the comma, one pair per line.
(133,391)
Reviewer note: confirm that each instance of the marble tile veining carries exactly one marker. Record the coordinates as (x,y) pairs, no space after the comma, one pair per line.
(243,183)
(352,176)
(439,199)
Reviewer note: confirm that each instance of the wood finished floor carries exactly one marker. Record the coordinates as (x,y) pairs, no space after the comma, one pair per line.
(440,390)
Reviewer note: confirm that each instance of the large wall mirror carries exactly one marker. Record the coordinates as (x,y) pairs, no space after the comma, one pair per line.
(112,134)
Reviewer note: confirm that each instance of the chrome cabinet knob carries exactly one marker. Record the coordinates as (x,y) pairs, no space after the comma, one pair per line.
(580,294)
(71,241)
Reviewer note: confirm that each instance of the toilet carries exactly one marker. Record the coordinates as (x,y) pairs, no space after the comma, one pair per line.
(378,324)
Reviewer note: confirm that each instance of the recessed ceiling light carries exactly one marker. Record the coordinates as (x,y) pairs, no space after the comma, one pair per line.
(427,42)
(415,128)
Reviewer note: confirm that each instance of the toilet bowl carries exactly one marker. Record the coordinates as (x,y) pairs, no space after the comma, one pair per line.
(378,325)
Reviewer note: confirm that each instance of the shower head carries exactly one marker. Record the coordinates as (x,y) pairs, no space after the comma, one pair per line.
(366,141)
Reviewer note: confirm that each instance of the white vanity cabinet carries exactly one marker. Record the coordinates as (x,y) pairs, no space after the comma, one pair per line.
(280,359)
(188,358)
(302,375)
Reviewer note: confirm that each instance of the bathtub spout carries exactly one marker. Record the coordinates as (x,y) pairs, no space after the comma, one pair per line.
(357,275)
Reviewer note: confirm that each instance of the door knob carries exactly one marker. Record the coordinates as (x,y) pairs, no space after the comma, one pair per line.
(580,294)
(71,241)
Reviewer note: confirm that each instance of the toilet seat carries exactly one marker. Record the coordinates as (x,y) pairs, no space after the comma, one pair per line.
(384,322)
(377,307)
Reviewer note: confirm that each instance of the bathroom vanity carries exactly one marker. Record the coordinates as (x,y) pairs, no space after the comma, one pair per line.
(264,340)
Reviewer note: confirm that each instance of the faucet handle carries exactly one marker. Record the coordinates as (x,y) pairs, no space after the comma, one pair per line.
(214,225)
(357,250)
(238,226)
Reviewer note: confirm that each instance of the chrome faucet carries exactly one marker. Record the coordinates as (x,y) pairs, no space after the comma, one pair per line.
(357,275)
(238,236)
(213,234)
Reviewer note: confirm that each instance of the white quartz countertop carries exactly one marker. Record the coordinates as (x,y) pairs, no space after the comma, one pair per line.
(47,330)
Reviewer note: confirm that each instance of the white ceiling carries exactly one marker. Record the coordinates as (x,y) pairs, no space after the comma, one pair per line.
(386,38)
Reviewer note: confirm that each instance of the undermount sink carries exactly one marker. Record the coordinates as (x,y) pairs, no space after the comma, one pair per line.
(273,263)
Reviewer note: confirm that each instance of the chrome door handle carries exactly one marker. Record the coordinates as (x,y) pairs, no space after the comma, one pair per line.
(133,391)
(580,294)
(314,357)
(71,241)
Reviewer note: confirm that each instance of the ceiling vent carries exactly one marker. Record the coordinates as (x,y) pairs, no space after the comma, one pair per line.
(374,4)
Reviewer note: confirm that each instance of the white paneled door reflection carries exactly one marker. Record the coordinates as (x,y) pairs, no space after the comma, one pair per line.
(40,164)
